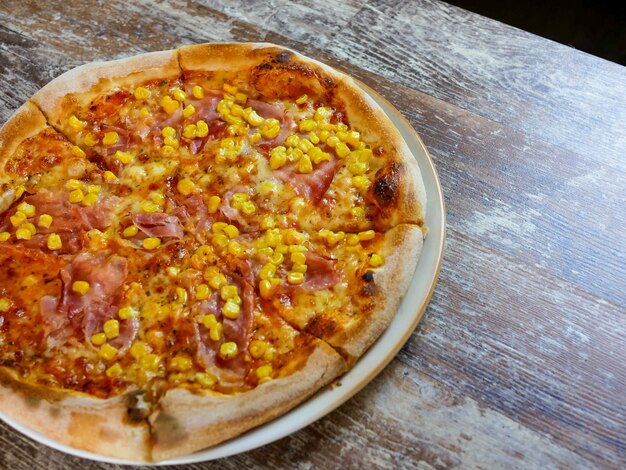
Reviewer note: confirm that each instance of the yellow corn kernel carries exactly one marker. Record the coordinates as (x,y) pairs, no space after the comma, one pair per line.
(107,352)
(317,155)
(157,197)
(204,252)
(220,240)
(189,110)
(216,279)
(297,248)
(75,123)
(228,350)
(205,379)
(110,138)
(190,131)
(123,157)
(179,95)
(171,142)
(169,105)
(148,206)
(168,131)
(144,112)
(277,258)
(181,295)
(27,209)
(4,236)
(367,235)
(218,227)
(111,329)
(151,243)
(352,239)
(305,145)
(99,339)
(167,150)
(252,117)
(23,233)
(358,212)
(235,249)
(238,199)
(172,271)
(231,310)
(304,165)
(214,204)
(264,372)
(209,320)
(255,137)
(80,287)
(241,98)
(295,278)
(5,304)
(299,268)
(130,231)
(248,208)
(268,271)
(278,157)
(230,89)
(197,92)
(54,242)
(323,136)
(298,258)
(30,280)
(109,176)
(216,331)
(45,220)
(150,362)
(236,110)
(181,363)
(77,151)
(376,260)
(270,128)
(90,140)
(202,128)
(139,349)
(360,182)
(76,196)
(267,222)
(114,371)
(30,227)
(341,149)
(186,186)
(257,348)
(293,237)
(17,219)
(265,288)
(202,292)
(358,167)
(126,313)
(292,141)
(303,99)
(294,154)
(141,93)
(90,199)
(323,113)
(332,141)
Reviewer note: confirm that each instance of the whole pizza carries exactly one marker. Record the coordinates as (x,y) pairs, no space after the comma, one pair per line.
(192,242)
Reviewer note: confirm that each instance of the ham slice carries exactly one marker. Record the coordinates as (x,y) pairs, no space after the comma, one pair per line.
(240,329)
(159,224)
(311,186)
(88,313)
(321,274)
(56,325)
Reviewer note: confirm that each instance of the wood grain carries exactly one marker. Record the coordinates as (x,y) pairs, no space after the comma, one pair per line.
(519,361)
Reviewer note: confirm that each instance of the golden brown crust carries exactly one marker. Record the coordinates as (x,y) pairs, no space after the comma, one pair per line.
(398,189)
(81,84)
(383,291)
(186,421)
(75,419)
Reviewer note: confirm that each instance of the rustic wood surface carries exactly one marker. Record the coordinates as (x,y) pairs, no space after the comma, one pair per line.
(520,359)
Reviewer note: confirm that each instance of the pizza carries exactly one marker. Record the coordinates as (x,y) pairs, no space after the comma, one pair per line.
(193,242)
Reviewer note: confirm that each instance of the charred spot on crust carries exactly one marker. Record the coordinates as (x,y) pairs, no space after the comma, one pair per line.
(369,290)
(368,276)
(283,57)
(322,327)
(386,187)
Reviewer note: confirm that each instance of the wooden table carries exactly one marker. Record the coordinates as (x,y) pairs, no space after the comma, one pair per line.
(520,359)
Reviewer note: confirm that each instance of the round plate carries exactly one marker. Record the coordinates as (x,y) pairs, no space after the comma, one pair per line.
(377,357)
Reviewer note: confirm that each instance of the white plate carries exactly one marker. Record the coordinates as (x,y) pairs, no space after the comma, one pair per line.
(376,358)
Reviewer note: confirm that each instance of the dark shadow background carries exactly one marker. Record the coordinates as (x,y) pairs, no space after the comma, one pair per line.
(597,27)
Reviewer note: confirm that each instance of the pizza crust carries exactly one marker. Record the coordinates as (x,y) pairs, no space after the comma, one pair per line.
(382,296)
(81,84)
(26,122)
(75,419)
(186,422)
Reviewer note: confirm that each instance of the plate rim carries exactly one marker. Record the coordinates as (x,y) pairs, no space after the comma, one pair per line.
(251,438)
